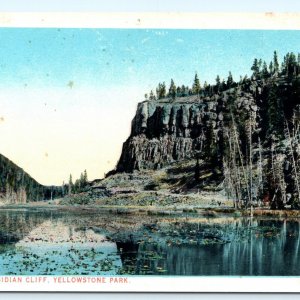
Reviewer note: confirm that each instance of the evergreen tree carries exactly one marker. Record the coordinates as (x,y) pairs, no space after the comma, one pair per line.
(70,186)
(218,83)
(271,68)
(172,90)
(245,79)
(260,62)
(183,91)
(151,96)
(196,85)
(81,181)
(63,186)
(265,73)
(77,187)
(229,81)
(223,85)
(291,64)
(241,80)
(275,62)
(275,117)
(161,91)
(205,88)
(255,67)
(85,176)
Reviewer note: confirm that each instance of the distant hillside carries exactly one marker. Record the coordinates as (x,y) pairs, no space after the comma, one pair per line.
(16,186)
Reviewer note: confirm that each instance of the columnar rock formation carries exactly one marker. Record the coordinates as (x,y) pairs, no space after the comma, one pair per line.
(165,131)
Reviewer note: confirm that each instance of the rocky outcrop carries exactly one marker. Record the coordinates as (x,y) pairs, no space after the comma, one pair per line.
(166,131)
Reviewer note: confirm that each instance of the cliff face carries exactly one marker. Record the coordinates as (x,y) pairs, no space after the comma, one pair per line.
(246,135)
(161,133)
(164,132)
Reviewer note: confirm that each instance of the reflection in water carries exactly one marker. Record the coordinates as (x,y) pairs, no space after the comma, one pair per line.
(258,247)
(14,225)
(55,247)
(48,243)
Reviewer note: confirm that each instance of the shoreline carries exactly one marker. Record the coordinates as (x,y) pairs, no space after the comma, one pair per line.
(155,210)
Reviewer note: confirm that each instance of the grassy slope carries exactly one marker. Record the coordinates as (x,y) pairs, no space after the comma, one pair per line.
(173,186)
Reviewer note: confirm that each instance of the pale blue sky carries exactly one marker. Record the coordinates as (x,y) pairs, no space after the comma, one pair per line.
(109,57)
(67,96)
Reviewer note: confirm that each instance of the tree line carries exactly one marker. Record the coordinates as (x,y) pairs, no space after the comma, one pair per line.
(80,185)
(261,70)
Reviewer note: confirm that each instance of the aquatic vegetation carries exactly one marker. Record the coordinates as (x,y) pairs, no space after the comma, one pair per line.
(109,243)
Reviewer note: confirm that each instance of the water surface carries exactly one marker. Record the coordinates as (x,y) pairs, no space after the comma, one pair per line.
(35,242)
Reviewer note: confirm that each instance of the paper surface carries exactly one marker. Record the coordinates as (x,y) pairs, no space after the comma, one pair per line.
(76,105)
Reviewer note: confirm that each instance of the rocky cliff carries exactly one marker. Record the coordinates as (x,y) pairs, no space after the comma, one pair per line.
(166,131)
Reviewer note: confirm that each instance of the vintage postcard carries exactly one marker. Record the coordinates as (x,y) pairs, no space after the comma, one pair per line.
(150,152)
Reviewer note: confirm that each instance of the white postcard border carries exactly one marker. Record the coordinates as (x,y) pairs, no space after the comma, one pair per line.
(265,21)
(150,284)
(268,20)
